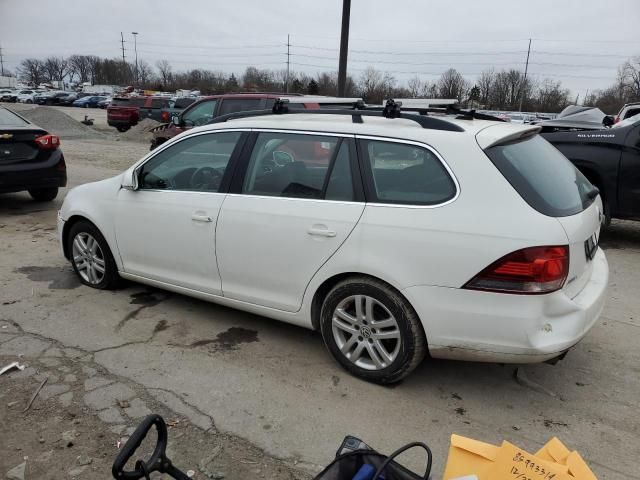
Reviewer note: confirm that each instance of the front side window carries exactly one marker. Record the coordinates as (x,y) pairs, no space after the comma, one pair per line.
(300,166)
(201,113)
(195,164)
(407,174)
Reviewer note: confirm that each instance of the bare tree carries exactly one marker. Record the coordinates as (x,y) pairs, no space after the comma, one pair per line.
(79,66)
(415,86)
(145,72)
(165,71)
(485,84)
(56,68)
(452,85)
(32,71)
(630,75)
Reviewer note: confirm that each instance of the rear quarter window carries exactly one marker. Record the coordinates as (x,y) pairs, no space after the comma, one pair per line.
(543,176)
(406,174)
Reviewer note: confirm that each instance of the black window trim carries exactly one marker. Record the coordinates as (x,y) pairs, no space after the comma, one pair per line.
(243,165)
(228,173)
(367,173)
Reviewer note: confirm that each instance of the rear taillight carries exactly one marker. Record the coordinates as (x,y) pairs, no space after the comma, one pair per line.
(48,142)
(528,271)
(164,116)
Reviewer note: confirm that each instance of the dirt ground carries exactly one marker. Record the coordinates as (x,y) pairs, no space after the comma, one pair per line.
(252,397)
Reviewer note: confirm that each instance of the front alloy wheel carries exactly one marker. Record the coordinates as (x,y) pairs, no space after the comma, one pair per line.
(91,257)
(88,258)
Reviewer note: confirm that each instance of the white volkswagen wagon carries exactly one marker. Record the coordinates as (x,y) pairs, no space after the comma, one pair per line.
(395,238)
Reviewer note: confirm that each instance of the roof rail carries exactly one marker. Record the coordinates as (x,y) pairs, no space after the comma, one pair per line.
(391,110)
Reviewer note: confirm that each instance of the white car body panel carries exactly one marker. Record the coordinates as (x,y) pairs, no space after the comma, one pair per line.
(270,265)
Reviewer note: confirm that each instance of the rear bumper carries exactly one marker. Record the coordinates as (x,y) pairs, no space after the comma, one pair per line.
(25,176)
(493,327)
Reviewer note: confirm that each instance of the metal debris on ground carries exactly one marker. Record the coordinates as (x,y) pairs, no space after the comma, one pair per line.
(35,394)
(11,366)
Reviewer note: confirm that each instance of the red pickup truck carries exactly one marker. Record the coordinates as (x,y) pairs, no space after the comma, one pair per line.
(125,112)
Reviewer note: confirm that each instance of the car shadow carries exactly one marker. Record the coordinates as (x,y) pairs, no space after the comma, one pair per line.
(620,235)
(13,204)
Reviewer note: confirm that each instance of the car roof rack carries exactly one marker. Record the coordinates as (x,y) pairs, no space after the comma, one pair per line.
(391,110)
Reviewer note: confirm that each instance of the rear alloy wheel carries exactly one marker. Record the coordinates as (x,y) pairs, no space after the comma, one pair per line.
(91,257)
(372,331)
(43,194)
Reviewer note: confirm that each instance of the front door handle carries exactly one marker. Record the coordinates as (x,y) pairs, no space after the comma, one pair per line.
(201,218)
(321,231)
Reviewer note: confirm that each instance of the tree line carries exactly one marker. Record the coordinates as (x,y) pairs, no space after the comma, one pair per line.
(493,90)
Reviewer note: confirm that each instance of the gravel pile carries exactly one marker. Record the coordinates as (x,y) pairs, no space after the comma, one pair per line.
(141,132)
(58,123)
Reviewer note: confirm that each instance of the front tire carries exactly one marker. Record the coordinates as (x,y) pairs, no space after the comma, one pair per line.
(122,129)
(91,257)
(372,331)
(43,194)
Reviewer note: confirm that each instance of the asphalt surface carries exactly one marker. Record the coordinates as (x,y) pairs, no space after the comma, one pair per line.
(276,386)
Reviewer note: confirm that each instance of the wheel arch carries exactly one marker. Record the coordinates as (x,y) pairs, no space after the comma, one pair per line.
(71,221)
(327,285)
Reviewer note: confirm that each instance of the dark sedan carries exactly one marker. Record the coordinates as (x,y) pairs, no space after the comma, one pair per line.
(90,101)
(30,158)
(610,159)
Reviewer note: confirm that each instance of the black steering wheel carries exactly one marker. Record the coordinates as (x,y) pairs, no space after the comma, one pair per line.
(208,177)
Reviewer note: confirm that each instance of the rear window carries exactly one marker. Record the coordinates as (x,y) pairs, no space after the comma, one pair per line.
(128,102)
(10,119)
(241,105)
(543,176)
(159,102)
(183,102)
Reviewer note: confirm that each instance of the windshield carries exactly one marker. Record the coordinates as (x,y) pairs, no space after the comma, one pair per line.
(543,176)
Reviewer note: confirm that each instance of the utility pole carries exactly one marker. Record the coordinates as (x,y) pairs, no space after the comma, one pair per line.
(344,47)
(1,63)
(122,43)
(135,48)
(524,82)
(286,85)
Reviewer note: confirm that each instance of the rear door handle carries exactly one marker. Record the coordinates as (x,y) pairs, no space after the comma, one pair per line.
(201,218)
(321,231)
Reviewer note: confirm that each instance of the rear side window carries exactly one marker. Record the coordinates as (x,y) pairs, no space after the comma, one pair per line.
(300,166)
(543,176)
(407,174)
(241,105)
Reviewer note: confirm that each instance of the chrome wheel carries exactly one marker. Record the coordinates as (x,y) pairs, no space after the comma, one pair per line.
(88,258)
(366,332)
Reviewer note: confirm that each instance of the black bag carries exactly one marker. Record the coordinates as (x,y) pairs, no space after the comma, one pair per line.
(354,453)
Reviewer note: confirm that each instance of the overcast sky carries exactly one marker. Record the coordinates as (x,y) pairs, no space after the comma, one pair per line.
(580,42)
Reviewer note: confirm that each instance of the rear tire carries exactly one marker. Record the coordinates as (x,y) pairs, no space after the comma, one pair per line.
(383,326)
(122,129)
(43,194)
(91,257)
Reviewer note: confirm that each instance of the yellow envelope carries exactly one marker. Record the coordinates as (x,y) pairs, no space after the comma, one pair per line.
(515,463)
(469,457)
(578,467)
(554,451)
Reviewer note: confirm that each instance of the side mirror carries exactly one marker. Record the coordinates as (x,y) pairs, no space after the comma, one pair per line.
(176,120)
(130,180)
(282,158)
(608,121)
